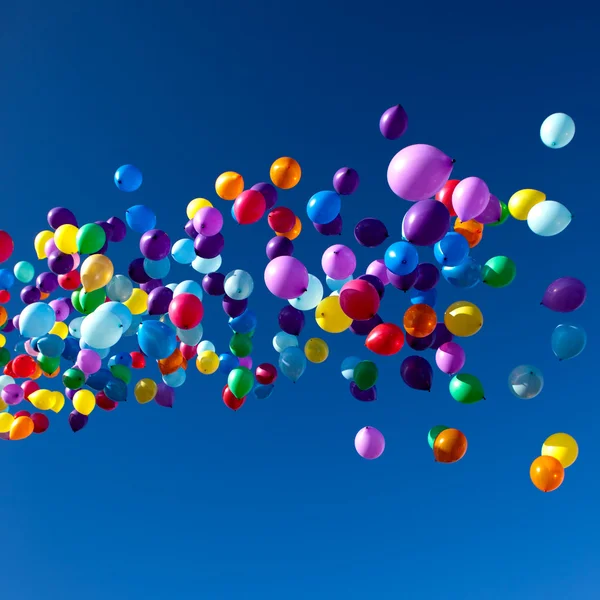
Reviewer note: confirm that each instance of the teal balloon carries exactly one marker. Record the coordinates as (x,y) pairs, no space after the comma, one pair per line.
(101,330)
(292,363)
(183,251)
(24,271)
(568,341)
(557,130)
(119,288)
(36,320)
(156,339)
(175,379)
(157,269)
(465,275)
(50,345)
(189,287)
(75,327)
(116,390)
(118,309)
(348,365)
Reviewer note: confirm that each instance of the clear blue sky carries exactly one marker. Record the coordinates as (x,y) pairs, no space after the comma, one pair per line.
(272,502)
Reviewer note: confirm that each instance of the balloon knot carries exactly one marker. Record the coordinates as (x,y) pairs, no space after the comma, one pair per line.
(453,161)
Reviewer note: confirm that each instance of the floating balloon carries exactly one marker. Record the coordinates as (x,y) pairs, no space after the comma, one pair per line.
(463,319)
(401,258)
(316,350)
(471,230)
(128,178)
(332,228)
(286,277)
(504,214)
(90,238)
(525,382)
(359,300)
(269,193)
(492,213)
(369,443)
(324,207)
(466,389)
(557,130)
(416,372)
(562,447)
(450,358)
(465,275)
(330,317)
(449,446)
(523,201)
(279,246)
(433,434)
(345,181)
(338,262)
(564,295)
(420,320)
(548,218)
(238,284)
(370,232)
(229,185)
(348,366)
(369,395)
(96,272)
(426,223)
(294,232)
(378,269)
(470,197)
(285,173)
(311,297)
(393,122)
(498,272)
(156,339)
(291,320)
(283,340)
(365,374)
(547,474)
(451,250)
(292,363)
(36,320)
(420,344)
(568,341)
(385,339)
(249,207)
(140,218)
(445,195)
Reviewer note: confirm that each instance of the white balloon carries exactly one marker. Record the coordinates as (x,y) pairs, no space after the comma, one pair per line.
(548,218)
(205,346)
(557,130)
(284,340)
(5,380)
(311,297)
(525,382)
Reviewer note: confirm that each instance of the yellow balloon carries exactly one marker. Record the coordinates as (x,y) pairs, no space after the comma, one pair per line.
(96,271)
(145,390)
(207,362)
(65,238)
(41,239)
(6,421)
(463,319)
(60,329)
(330,317)
(316,350)
(3,405)
(2,341)
(295,231)
(137,302)
(84,402)
(523,201)
(195,205)
(59,402)
(229,185)
(563,447)
(42,399)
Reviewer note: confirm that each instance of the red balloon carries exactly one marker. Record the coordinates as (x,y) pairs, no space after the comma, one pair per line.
(4,296)
(249,207)
(23,366)
(22,413)
(104,402)
(70,281)
(266,373)
(138,360)
(230,400)
(385,339)
(6,246)
(8,370)
(445,195)
(281,219)
(40,422)
(186,311)
(187,351)
(359,300)
(29,387)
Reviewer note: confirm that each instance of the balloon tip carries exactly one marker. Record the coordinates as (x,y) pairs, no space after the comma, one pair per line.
(453,161)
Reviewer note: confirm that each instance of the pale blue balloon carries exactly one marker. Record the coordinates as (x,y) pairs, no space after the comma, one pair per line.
(101,330)
(348,365)
(205,346)
(548,218)
(175,379)
(189,287)
(311,297)
(207,265)
(183,251)
(292,363)
(157,269)
(238,284)
(283,340)
(101,352)
(568,341)
(557,130)
(191,337)
(36,320)
(75,327)
(118,309)
(335,285)
(133,328)
(428,297)
(50,345)
(526,382)
(262,392)
(5,380)
(119,288)
(466,275)
(24,271)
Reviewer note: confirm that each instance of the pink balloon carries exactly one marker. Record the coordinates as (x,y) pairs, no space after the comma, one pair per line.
(369,443)
(419,172)
(246,361)
(450,358)
(286,277)
(379,270)
(30,350)
(89,361)
(338,262)
(491,213)
(470,198)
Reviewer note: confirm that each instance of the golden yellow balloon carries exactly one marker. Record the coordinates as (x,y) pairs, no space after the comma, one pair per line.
(295,231)
(3,405)
(42,399)
(6,421)
(96,271)
(2,341)
(195,205)
(65,238)
(60,329)
(59,402)
(563,447)
(330,317)
(463,319)
(145,390)
(523,201)
(207,362)
(84,402)
(137,302)
(285,173)
(316,350)
(41,239)
(229,185)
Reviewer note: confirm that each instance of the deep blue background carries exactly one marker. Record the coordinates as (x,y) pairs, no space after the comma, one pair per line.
(273,502)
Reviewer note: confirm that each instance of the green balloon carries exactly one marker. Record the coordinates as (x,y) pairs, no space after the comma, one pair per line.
(87,302)
(4,357)
(466,389)
(433,433)
(48,364)
(365,374)
(121,372)
(90,238)
(499,271)
(240,345)
(73,379)
(240,382)
(504,214)
(24,271)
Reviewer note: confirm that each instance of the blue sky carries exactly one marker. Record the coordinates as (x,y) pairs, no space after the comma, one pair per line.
(273,501)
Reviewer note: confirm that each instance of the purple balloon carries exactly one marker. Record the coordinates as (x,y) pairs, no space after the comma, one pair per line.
(332,228)
(441,335)
(369,443)
(491,213)
(417,373)
(119,229)
(291,320)
(209,247)
(208,221)
(338,262)
(30,294)
(61,216)
(269,193)
(60,263)
(450,358)
(375,282)
(363,328)
(279,246)
(155,244)
(371,232)
(165,395)
(378,268)
(246,361)
(151,285)
(393,122)
(89,361)
(70,394)
(286,277)
(107,227)
(47,282)
(12,394)
(428,276)
(565,295)
(345,181)
(470,198)
(5,436)
(419,344)
(50,247)
(368,395)
(234,308)
(136,271)
(15,323)
(402,282)
(419,172)
(159,300)
(191,230)
(214,284)
(77,421)
(426,223)
(61,308)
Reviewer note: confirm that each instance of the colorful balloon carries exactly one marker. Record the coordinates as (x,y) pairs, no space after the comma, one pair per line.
(345,181)
(568,341)
(249,207)
(365,374)
(562,447)
(292,363)
(466,389)
(498,272)
(128,178)
(370,232)
(451,250)
(450,358)
(548,218)
(393,122)
(465,275)
(385,339)
(420,320)
(330,317)
(401,258)
(433,433)
(426,223)
(286,277)
(285,173)
(564,295)
(557,130)
(359,300)
(369,443)
(310,299)
(416,372)
(525,382)
(324,207)
(471,230)
(229,185)
(547,474)
(338,262)
(523,201)
(449,446)
(463,319)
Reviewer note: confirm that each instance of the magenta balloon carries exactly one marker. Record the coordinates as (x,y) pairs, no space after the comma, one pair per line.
(246,361)
(61,308)
(426,223)
(12,394)
(441,335)
(208,221)
(338,262)
(491,213)
(419,172)
(89,361)
(369,443)
(450,358)
(428,276)
(345,181)
(470,198)
(393,122)
(332,228)
(564,295)
(403,282)
(378,268)
(286,277)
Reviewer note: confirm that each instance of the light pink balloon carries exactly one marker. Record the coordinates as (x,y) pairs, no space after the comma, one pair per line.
(30,350)
(338,262)
(379,270)
(286,277)
(450,358)
(369,443)
(491,213)
(470,198)
(76,260)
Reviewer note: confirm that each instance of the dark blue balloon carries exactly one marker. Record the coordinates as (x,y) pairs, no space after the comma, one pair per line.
(262,392)
(128,178)
(99,379)
(244,323)
(71,349)
(227,362)
(116,390)
(122,358)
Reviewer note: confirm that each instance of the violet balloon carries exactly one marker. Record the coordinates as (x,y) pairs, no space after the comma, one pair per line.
(159,300)
(118,229)
(428,276)
(368,395)
(491,213)
(234,308)
(209,247)
(441,335)
(345,181)
(269,193)
(417,373)
(450,358)
(30,294)
(371,232)
(470,198)
(191,230)
(332,228)
(338,262)
(369,443)
(286,277)
(77,421)
(379,270)
(291,320)
(393,122)
(363,328)
(151,285)
(165,395)
(565,295)
(60,263)
(419,344)
(214,284)
(47,282)
(155,244)
(61,308)
(61,216)
(279,246)
(402,282)
(208,221)
(426,223)
(136,271)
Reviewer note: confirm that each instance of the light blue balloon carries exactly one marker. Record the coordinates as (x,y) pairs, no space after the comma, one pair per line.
(557,130)
(548,218)
(189,287)
(36,320)
(283,340)
(118,309)
(244,323)
(205,346)
(428,297)
(191,337)
(101,352)
(7,279)
(451,250)
(116,390)
(526,382)
(51,345)
(156,339)
(311,297)
(157,269)
(101,330)
(466,275)
(238,284)
(172,287)
(166,319)
(227,362)
(568,341)
(140,218)
(133,328)
(119,288)
(207,265)
(75,327)
(335,285)
(292,363)
(5,380)
(175,379)
(24,271)
(262,392)
(324,207)
(233,212)
(401,258)
(183,251)
(348,365)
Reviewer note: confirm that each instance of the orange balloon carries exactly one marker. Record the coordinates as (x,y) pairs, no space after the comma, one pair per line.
(3,315)
(37,373)
(21,428)
(420,320)
(547,474)
(44,295)
(471,230)
(54,374)
(170,364)
(285,173)
(449,446)
(229,185)
(295,232)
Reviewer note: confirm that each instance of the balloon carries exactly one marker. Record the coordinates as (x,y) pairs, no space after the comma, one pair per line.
(155,244)
(30,294)
(568,341)
(470,197)
(370,232)
(420,320)
(471,230)
(378,269)
(96,271)
(285,173)
(359,300)
(445,195)
(244,323)
(369,443)
(345,181)
(140,218)
(207,265)
(36,320)
(128,178)
(279,246)
(330,317)
(450,358)
(369,395)
(419,344)
(60,263)
(240,345)
(157,269)
(119,288)
(156,339)
(208,221)
(21,428)
(316,350)
(324,207)
(165,395)
(548,218)
(426,223)
(463,319)
(145,390)
(241,381)
(562,447)
(385,339)
(335,285)
(24,271)
(498,271)
(365,374)
(101,330)
(195,205)
(186,311)
(266,374)
(523,201)
(294,232)
(39,244)
(233,308)
(12,394)
(269,193)
(292,363)
(449,446)
(492,213)
(451,250)
(401,258)
(466,389)
(46,282)
(547,474)
(348,366)
(433,434)
(338,261)
(564,295)
(281,219)
(40,422)
(291,320)
(393,122)
(557,130)
(159,300)
(183,251)
(137,303)
(238,284)
(375,282)
(417,373)
(249,207)
(311,297)
(262,392)
(525,382)
(214,284)
(84,402)
(90,238)
(332,228)
(504,214)
(418,172)
(403,282)
(209,246)
(229,185)
(207,362)
(465,275)
(65,239)
(286,277)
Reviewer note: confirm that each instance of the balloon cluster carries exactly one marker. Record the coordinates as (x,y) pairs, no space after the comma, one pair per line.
(79,333)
